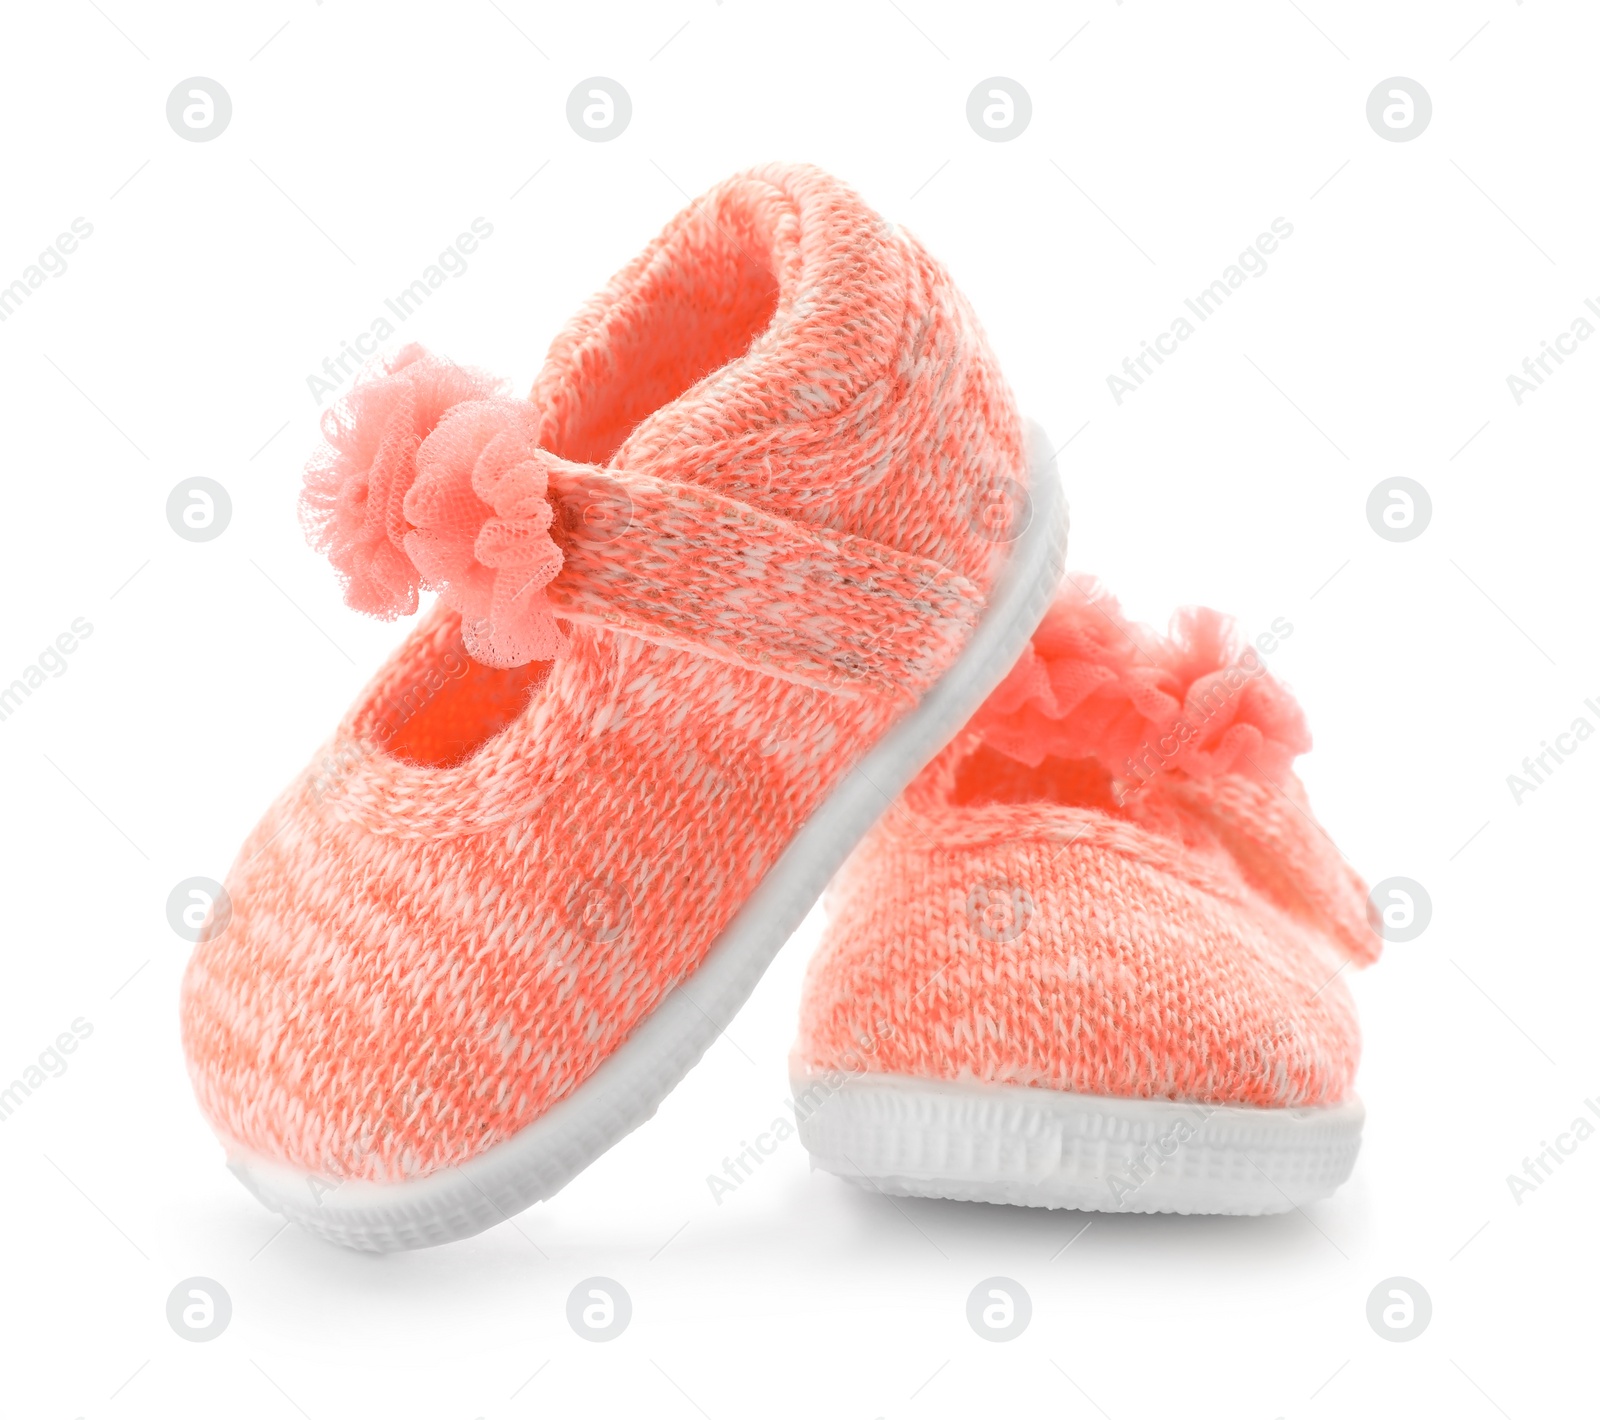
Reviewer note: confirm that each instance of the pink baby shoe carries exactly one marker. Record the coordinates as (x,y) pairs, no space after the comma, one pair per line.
(763,535)
(1092,958)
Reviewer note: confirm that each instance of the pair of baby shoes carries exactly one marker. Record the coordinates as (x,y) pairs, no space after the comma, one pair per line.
(767,557)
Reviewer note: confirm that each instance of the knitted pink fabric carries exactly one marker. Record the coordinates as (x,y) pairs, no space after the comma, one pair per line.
(713,557)
(1110,883)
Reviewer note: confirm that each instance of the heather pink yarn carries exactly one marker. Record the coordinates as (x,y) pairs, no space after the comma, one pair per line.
(1110,883)
(762,443)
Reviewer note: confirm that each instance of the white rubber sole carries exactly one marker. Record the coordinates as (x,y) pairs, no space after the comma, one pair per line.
(626,1089)
(1042,1148)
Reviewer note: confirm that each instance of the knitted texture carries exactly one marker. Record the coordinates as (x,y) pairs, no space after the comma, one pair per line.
(760,456)
(1109,883)
(429,480)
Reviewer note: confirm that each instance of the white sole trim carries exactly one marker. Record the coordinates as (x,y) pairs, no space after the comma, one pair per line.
(1042,1148)
(626,1089)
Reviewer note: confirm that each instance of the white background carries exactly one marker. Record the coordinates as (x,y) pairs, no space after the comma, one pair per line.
(1164,137)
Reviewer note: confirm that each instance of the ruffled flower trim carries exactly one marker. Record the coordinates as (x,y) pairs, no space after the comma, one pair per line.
(432,479)
(1093,686)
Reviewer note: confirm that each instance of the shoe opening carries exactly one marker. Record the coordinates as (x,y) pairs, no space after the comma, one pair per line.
(437,706)
(694,303)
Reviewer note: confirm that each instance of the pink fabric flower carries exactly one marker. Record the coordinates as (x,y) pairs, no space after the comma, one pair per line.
(1093,686)
(482,530)
(433,479)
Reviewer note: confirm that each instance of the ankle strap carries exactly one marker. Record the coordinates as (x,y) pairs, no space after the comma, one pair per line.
(434,481)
